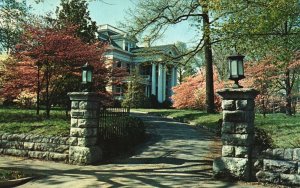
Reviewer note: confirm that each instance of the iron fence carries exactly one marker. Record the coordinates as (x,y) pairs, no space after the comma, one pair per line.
(113,122)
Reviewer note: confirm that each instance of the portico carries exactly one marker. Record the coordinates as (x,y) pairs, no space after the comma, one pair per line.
(159,75)
(159,81)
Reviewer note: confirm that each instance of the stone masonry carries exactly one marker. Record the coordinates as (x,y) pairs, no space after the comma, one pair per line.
(279,166)
(84,128)
(35,146)
(237,133)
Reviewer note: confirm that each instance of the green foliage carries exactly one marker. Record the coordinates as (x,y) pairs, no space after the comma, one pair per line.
(66,83)
(75,12)
(262,140)
(188,66)
(220,54)
(283,129)
(3,63)
(261,27)
(13,14)
(14,120)
(135,93)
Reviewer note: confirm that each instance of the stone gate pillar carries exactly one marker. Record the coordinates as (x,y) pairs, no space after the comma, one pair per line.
(84,148)
(237,133)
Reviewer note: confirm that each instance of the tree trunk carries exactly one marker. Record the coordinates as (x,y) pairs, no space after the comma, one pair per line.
(38,92)
(210,106)
(67,108)
(264,108)
(288,97)
(288,105)
(288,84)
(47,94)
(180,75)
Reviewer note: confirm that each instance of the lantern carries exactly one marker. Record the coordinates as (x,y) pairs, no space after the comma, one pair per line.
(87,74)
(236,69)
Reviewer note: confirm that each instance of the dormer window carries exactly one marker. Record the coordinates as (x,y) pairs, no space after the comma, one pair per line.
(132,45)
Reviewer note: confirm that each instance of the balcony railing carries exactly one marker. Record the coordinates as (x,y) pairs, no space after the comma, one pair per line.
(145,79)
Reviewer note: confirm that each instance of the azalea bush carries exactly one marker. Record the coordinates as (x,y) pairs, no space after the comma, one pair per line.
(190,94)
(26,99)
(275,82)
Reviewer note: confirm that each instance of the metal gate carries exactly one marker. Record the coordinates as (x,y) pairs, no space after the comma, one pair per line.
(112,122)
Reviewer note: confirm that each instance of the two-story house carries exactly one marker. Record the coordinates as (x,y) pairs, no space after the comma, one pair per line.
(158,72)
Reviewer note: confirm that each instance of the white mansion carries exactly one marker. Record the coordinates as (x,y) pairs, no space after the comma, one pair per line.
(159,75)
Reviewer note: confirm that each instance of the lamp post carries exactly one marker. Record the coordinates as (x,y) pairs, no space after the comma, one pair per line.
(236,69)
(87,74)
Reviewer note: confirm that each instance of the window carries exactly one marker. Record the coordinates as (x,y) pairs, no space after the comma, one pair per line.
(128,67)
(119,64)
(145,70)
(118,90)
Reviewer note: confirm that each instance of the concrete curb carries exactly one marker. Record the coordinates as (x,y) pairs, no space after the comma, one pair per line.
(16,182)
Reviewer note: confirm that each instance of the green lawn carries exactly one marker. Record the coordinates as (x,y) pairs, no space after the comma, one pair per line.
(13,120)
(10,175)
(285,131)
(195,116)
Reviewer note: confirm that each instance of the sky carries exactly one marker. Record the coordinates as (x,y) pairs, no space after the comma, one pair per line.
(112,12)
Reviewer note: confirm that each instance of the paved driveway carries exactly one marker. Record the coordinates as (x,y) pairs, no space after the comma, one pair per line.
(175,156)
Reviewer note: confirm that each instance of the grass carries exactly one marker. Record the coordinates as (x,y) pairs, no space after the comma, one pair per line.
(198,117)
(10,175)
(15,121)
(284,130)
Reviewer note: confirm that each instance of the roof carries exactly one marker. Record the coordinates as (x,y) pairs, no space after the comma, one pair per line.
(112,29)
(114,32)
(155,49)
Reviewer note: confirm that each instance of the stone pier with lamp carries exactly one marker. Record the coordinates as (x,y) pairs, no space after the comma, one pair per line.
(237,127)
(84,147)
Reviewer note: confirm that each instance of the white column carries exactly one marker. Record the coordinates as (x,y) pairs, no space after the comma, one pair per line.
(146,90)
(176,79)
(172,79)
(160,83)
(164,82)
(128,46)
(124,43)
(153,86)
(174,76)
